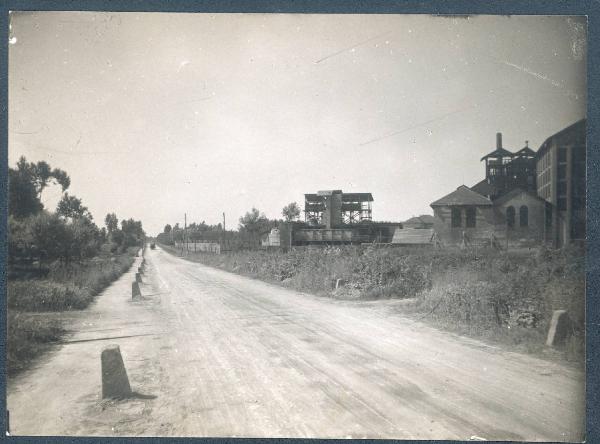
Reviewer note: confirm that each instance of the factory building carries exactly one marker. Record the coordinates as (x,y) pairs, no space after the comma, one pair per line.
(526,197)
(561,182)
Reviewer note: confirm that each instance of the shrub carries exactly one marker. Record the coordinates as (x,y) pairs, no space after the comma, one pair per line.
(27,336)
(45,295)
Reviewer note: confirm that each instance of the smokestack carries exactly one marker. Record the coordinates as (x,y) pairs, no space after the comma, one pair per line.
(498,140)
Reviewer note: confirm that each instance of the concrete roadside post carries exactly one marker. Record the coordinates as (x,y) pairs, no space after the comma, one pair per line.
(135,290)
(115,383)
(559,328)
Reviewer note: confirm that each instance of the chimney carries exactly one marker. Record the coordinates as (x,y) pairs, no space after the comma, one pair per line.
(498,140)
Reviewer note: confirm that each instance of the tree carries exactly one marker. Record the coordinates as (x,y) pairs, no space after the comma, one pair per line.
(167,229)
(255,222)
(133,234)
(291,212)
(70,207)
(26,183)
(111,222)
(23,200)
(51,236)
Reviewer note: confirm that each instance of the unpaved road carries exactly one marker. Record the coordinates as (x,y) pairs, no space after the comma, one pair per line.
(214,354)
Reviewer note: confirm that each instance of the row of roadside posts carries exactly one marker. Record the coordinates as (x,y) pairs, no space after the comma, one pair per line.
(115,382)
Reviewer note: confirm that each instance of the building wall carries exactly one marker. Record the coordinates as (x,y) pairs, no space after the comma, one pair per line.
(332,216)
(534,231)
(561,182)
(442,224)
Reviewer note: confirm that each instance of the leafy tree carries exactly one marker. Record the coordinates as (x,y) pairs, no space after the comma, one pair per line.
(291,212)
(27,182)
(85,238)
(167,229)
(51,236)
(19,238)
(111,222)
(72,208)
(42,175)
(133,234)
(23,200)
(255,222)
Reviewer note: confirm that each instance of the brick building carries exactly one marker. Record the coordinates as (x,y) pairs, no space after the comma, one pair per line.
(526,197)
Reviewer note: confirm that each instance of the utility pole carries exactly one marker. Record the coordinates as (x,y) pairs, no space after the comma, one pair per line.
(223,237)
(185,230)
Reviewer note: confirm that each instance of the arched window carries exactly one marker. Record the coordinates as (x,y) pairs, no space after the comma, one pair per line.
(471,217)
(524,216)
(510,217)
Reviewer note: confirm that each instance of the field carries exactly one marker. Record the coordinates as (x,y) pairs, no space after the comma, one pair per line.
(506,298)
(34,304)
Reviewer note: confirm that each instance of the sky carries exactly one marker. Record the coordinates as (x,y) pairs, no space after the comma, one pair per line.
(154,115)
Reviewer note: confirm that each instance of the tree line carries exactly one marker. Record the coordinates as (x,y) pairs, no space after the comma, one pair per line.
(67,233)
(252,226)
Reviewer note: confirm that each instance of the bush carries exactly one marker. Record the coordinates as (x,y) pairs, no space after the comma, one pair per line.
(509,296)
(67,286)
(27,337)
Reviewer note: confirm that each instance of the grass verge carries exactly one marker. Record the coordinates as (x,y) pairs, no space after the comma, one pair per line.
(506,298)
(32,303)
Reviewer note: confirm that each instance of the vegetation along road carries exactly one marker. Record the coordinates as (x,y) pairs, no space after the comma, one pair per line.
(211,353)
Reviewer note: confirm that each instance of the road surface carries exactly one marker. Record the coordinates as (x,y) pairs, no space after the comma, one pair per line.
(210,353)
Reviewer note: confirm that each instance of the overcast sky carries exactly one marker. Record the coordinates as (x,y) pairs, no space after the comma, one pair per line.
(153,114)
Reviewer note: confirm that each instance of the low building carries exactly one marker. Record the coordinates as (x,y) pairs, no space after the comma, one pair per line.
(462,215)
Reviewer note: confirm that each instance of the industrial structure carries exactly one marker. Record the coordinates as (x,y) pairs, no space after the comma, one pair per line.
(333,208)
(526,197)
(333,217)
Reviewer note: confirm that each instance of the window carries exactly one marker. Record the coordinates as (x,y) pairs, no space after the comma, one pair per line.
(562,154)
(510,217)
(456,217)
(562,172)
(524,216)
(561,188)
(471,217)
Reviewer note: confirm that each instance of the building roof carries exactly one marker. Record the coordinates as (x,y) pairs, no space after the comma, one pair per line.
(328,192)
(357,197)
(462,196)
(346,197)
(498,153)
(413,236)
(484,188)
(514,193)
(579,126)
(525,151)
(422,219)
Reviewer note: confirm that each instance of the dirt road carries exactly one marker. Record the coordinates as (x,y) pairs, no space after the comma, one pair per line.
(214,354)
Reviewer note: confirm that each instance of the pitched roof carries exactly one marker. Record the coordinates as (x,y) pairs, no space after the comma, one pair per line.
(578,127)
(498,152)
(462,196)
(422,219)
(513,193)
(525,151)
(413,236)
(484,188)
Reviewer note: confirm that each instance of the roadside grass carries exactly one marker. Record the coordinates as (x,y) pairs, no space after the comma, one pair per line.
(507,298)
(31,322)
(29,336)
